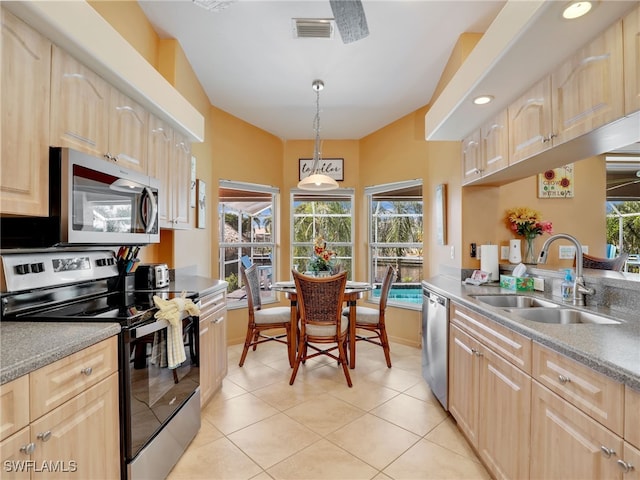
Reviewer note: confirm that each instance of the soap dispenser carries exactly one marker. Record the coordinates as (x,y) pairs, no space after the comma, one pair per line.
(567,286)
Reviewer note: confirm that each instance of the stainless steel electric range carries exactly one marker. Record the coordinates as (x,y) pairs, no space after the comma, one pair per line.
(159,407)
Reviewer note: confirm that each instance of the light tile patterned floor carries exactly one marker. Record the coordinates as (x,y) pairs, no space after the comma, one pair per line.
(388,426)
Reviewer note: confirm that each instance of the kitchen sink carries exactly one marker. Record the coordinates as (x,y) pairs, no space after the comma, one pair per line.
(515,301)
(561,316)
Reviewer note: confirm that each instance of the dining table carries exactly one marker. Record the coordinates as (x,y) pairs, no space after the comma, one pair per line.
(352,292)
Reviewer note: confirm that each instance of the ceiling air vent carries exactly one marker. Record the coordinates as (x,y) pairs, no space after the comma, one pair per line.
(213,5)
(313,27)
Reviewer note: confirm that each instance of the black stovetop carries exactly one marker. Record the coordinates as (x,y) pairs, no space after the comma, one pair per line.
(128,308)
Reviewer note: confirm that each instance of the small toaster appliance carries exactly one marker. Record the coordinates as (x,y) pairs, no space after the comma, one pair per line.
(151,276)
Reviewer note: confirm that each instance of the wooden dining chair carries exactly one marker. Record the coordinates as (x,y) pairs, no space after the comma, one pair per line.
(261,321)
(373,319)
(615,264)
(321,320)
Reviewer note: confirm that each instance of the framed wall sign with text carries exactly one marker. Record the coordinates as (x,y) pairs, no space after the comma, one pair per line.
(556,183)
(331,167)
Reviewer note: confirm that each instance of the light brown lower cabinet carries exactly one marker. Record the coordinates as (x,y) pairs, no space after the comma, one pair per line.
(630,463)
(213,344)
(531,412)
(490,399)
(567,444)
(77,438)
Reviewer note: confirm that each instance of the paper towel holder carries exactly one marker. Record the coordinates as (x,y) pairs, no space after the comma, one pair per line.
(515,255)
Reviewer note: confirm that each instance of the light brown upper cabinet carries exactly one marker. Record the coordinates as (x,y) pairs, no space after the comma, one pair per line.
(169,156)
(24,151)
(587,89)
(471,157)
(79,106)
(128,130)
(159,149)
(531,122)
(486,150)
(180,172)
(631,31)
(89,115)
(494,139)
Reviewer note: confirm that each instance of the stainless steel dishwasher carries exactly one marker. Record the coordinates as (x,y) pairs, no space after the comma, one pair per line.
(435,343)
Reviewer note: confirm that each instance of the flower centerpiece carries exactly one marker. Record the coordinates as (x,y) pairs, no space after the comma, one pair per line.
(323,258)
(526,222)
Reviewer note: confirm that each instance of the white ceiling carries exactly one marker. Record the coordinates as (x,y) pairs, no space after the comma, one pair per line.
(250,65)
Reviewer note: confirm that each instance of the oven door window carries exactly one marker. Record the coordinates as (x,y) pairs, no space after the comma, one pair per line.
(104,203)
(156,391)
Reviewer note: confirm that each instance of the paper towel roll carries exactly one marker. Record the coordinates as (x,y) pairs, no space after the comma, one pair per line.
(489,261)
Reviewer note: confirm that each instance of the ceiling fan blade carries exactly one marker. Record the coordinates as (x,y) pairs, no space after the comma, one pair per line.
(350,19)
(620,185)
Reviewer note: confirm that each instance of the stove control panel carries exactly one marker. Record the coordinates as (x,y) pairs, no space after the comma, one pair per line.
(28,271)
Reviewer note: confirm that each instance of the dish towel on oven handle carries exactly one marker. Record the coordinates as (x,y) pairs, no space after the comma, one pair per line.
(172,311)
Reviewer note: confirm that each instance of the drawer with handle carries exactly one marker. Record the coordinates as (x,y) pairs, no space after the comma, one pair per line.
(54,384)
(14,410)
(595,394)
(212,303)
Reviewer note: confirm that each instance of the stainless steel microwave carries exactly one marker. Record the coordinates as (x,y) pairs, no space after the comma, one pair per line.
(91,202)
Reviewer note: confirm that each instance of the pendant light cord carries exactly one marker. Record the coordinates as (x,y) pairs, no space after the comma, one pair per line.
(316,126)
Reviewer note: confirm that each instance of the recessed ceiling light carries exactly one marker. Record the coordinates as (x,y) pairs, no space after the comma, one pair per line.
(576,10)
(483,99)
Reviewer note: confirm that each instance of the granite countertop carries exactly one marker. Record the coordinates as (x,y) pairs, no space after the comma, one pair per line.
(613,350)
(27,346)
(195,283)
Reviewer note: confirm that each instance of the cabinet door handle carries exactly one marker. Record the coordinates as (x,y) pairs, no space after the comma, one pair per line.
(562,379)
(476,352)
(28,449)
(86,371)
(44,436)
(625,466)
(217,320)
(607,451)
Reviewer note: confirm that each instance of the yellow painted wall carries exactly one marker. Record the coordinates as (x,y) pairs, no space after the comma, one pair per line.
(244,153)
(235,150)
(129,20)
(460,52)
(582,216)
(394,153)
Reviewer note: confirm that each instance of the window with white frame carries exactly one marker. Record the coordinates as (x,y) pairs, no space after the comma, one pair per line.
(247,219)
(325,214)
(396,232)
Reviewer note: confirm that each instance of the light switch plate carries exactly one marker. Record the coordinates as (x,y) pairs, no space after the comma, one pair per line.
(504,253)
(566,252)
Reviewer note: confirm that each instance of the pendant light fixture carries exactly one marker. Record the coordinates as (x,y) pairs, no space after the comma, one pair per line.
(317,181)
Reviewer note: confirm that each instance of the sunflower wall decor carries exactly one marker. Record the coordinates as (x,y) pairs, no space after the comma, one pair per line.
(556,183)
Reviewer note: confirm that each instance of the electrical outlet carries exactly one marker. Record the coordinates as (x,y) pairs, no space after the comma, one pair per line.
(585,249)
(538,284)
(504,253)
(474,251)
(453,252)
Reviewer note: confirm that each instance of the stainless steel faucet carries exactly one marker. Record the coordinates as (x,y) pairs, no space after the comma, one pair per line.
(579,288)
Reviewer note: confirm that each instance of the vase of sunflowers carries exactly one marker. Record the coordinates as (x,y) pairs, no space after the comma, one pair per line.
(526,222)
